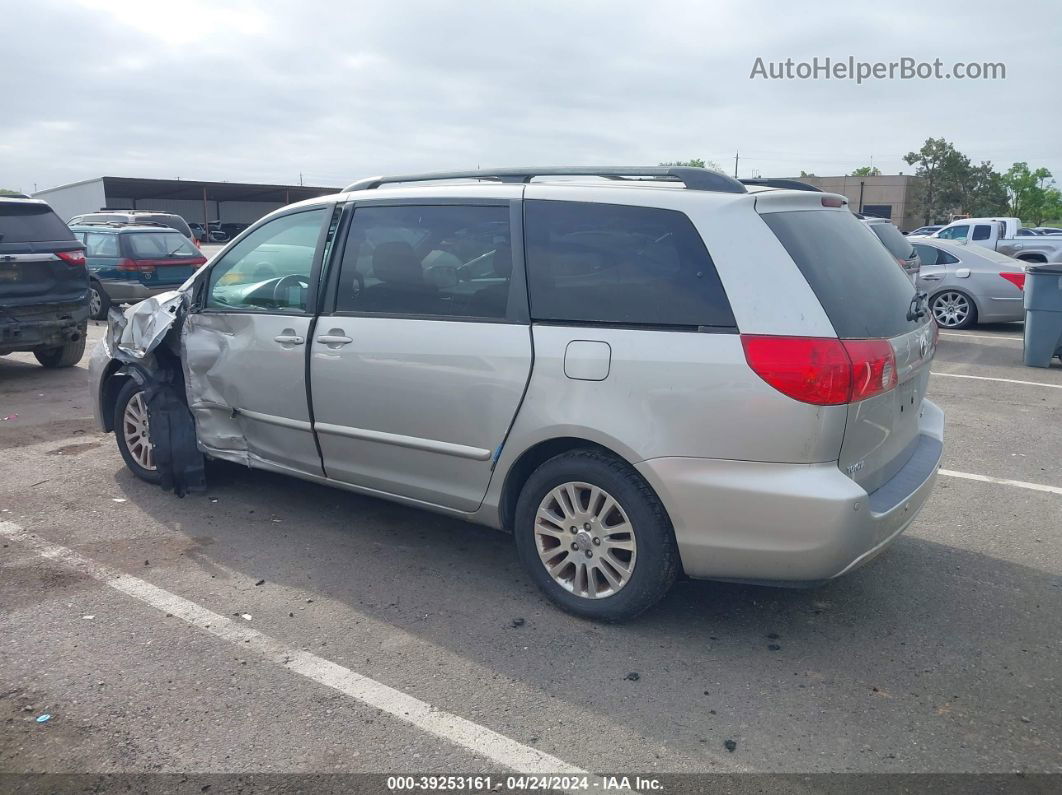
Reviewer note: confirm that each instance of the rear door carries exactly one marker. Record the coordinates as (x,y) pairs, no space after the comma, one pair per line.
(420,364)
(33,243)
(865,296)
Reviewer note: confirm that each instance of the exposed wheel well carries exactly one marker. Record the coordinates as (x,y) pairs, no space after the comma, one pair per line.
(1032,258)
(529,461)
(111,384)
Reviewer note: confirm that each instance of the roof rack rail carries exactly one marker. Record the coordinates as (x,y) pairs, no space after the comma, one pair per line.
(788,184)
(693,178)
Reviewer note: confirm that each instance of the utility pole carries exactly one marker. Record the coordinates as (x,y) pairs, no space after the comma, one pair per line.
(300,179)
(735,164)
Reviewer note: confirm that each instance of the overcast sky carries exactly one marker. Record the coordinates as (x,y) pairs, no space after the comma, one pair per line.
(261,91)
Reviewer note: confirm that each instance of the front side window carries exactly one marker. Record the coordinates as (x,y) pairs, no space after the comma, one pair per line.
(955,233)
(443,260)
(269,270)
(611,263)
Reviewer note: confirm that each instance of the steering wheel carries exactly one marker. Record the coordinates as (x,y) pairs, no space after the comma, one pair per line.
(284,281)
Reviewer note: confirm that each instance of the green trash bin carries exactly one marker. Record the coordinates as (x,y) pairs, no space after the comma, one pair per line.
(1043,314)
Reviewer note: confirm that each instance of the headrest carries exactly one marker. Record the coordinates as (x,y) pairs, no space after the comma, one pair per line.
(397,263)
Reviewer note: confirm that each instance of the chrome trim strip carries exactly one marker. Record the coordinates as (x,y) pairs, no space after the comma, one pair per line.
(412,442)
(271,419)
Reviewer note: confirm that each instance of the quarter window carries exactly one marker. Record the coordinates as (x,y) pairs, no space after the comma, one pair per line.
(269,270)
(427,260)
(982,232)
(618,264)
(101,245)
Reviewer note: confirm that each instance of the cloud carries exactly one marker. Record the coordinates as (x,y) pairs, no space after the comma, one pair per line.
(249,91)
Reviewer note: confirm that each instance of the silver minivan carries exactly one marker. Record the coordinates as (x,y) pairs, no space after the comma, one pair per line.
(638,372)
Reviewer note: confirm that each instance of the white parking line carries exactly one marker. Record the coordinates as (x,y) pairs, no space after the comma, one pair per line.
(1021,484)
(1004,380)
(464,733)
(980,336)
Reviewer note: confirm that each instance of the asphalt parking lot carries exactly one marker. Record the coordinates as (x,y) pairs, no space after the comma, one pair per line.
(277,626)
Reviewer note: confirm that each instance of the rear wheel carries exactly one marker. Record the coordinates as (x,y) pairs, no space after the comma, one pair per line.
(62,356)
(99,302)
(132,429)
(594,537)
(953,309)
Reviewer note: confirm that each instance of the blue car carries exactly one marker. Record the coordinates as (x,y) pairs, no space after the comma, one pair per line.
(128,263)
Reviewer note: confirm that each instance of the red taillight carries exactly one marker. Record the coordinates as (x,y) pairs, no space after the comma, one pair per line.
(75,259)
(821,370)
(1017,279)
(873,367)
(136,266)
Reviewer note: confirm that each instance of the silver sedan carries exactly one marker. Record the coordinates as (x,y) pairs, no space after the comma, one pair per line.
(969,284)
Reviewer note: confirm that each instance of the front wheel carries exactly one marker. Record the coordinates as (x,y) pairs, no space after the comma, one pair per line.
(132,431)
(953,309)
(594,537)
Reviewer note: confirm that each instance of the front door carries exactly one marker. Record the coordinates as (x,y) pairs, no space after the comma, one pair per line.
(244,350)
(418,370)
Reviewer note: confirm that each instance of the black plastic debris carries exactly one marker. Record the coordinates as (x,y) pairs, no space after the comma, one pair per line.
(177,457)
(730,745)
(517,622)
(633,676)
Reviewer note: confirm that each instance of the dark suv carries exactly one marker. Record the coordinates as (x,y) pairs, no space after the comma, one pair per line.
(44,289)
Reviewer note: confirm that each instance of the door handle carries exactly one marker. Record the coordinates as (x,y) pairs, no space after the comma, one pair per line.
(334,338)
(289,339)
(931,278)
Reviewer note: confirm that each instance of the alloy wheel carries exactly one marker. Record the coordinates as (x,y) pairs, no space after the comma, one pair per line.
(951,309)
(136,432)
(585,540)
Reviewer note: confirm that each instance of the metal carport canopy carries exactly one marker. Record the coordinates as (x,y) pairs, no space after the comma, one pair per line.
(194,190)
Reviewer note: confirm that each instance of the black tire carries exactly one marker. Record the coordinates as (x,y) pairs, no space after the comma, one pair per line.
(657,563)
(63,356)
(126,394)
(104,301)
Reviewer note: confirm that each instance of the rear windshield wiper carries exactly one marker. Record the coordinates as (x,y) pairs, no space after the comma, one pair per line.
(918,308)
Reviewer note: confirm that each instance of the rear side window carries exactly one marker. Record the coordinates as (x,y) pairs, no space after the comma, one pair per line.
(160,245)
(898,245)
(31,223)
(982,232)
(862,289)
(931,255)
(610,263)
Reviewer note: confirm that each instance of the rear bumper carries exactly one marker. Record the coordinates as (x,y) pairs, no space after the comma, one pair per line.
(29,328)
(130,292)
(789,523)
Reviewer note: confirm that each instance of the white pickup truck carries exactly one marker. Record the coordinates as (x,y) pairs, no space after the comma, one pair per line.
(1005,235)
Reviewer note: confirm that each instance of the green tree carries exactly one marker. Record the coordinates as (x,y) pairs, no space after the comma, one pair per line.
(981,190)
(695,162)
(866,171)
(804,173)
(1031,194)
(1052,207)
(8,192)
(938,163)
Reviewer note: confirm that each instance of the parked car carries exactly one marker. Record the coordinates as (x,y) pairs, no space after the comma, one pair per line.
(1004,235)
(969,284)
(898,246)
(634,377)
(44,290)
(127,264)
(1026,232)
(1048,230)
(200,233)
(925,230)
(232,230)
(140,217)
